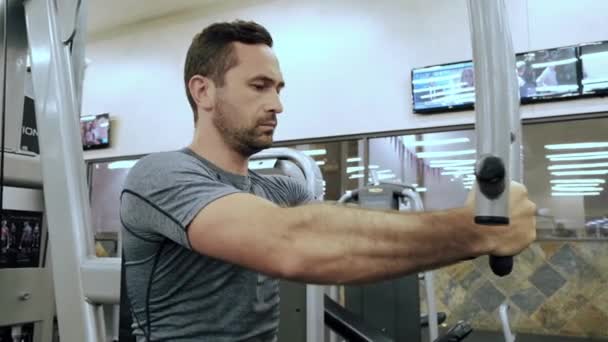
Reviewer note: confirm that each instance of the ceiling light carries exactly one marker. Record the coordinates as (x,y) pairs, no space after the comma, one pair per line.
(320,162)
(575,189)
(578,156)
(432,142)
(576,166)
(580,173)
(578,180)
(458,173)
(453,162)
(459,168)
(576,146)
(557,194)
(444,154)
(356,176)
(353,160)
(319,152)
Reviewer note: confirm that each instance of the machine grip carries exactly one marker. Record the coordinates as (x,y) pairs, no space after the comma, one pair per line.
(501,266)
(491,180)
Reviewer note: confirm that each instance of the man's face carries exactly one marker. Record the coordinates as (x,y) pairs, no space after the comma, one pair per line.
(248,103)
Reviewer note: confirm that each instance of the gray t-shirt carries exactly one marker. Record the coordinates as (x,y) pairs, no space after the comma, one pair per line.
(180,294)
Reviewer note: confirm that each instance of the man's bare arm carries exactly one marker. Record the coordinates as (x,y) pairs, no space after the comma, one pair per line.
(323,243)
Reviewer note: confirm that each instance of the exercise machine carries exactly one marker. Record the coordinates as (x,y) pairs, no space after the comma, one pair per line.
(52,34)
(394,306)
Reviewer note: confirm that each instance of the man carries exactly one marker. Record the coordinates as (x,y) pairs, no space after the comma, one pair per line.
(205,239)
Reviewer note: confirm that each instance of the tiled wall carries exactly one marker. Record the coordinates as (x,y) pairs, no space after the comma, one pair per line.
(556,288)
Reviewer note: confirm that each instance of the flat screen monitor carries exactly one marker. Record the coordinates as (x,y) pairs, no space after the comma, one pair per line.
(547,74)
(95,131)
(443,87)
(594,60)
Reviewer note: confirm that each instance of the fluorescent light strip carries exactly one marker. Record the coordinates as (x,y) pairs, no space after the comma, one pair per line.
(421,189)
(576,166)
(353,160)
(320,162)
(444,154)
(576,146)
(384,171)
(576,181)
(352,169)
(558,194)
(356,176)
(458,173)
(319,152)
(580,173)
(578,155)
(453,162)
(459,168)
(576,189)
(433,142)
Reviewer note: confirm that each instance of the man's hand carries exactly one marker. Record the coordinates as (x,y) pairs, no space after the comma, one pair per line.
(521,232)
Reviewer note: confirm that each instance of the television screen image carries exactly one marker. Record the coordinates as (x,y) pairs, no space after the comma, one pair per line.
(95,131)
(547,74)
(449,86)
(594,59)
(20,239)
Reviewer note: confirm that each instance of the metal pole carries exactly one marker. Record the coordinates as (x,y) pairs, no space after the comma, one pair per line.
(497,108)
(63,171)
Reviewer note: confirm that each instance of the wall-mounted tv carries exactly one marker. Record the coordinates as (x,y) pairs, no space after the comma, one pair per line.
(443,87)
(95,131)
(548,74)
(594,60)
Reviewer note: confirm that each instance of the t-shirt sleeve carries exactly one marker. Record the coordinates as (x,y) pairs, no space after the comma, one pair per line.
(161,198)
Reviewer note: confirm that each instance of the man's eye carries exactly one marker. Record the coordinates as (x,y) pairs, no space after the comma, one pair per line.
(259,87)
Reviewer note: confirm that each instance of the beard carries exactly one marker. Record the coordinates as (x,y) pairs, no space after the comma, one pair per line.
(245,140)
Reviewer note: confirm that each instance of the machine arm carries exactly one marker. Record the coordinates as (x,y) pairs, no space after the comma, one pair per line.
(497,117)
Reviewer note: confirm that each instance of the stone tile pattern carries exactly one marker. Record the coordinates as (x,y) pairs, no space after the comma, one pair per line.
(556,288)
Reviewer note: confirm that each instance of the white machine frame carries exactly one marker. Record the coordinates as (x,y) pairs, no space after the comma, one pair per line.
(82,282)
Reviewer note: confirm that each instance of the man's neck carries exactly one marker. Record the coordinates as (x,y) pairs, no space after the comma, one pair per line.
(209,145)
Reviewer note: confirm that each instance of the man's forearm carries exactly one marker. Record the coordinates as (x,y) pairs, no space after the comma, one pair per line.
(352,245)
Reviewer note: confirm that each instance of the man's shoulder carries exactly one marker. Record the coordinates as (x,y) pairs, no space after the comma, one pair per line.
(162,167)
(294,189)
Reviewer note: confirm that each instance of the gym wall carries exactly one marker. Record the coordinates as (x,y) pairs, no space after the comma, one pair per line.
(346,63)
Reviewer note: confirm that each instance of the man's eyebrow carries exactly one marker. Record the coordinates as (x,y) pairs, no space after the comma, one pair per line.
(266,79)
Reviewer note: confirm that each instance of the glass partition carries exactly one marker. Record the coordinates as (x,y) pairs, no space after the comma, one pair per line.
(105,180)
(341,164)
(558,284)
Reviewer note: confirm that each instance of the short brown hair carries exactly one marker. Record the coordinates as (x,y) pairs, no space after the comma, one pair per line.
(211,53)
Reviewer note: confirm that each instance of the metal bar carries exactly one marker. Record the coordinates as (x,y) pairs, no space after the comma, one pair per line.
(496,104)
(63,171)
(349,325)
(14,73)
(101,280)
(429,283)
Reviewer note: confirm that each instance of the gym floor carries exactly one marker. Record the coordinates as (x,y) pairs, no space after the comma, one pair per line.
(489,336)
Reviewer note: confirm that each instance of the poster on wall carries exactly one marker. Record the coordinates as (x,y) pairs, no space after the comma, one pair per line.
(17,333)
(20,239)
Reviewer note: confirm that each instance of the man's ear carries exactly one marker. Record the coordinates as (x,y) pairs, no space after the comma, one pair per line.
(202,90)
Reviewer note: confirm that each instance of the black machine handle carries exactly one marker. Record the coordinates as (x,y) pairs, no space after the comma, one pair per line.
(498,122)
(492,182)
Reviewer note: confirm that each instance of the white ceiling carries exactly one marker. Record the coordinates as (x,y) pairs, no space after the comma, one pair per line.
(104,15)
